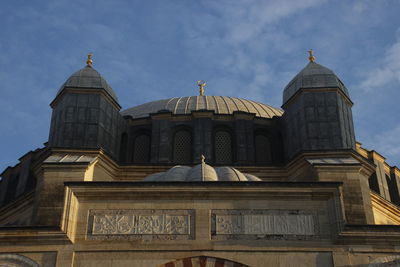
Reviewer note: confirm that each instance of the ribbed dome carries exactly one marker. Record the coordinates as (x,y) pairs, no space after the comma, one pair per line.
(219,104)
(88,78)
(199,173)
(313,76)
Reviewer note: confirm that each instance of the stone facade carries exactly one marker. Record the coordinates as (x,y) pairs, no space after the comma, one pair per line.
(290,187)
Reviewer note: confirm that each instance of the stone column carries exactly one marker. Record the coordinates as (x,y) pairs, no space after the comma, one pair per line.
(356,192)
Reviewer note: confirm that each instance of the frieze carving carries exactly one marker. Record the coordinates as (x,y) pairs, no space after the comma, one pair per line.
(263,224)
(141,224)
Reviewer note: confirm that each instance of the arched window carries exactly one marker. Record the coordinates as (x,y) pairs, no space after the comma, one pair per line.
(263,149)
(141,148)
(16,260)
(182,149)
(223,147)
(203,261)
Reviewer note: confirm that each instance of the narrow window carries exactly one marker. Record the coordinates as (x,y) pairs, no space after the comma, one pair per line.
(393,190)
(182,152)
(122,149)
(263,149)
(223,147)
(11,188)
(141,149)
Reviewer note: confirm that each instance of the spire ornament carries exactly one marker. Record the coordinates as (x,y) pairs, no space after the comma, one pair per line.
(89,60)
(311,57)
(201,85)
(203,159)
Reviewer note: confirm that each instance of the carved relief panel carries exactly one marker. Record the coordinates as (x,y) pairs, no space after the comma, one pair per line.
(140,224)
(263,224)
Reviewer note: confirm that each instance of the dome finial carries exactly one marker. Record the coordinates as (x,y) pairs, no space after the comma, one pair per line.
(201,85)
(89,60)
(203,159)
(311,57)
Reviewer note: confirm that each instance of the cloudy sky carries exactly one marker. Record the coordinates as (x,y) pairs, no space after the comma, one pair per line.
(150,50)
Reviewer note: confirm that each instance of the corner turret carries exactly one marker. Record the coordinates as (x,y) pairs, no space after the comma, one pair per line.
(86,113)
(317,112)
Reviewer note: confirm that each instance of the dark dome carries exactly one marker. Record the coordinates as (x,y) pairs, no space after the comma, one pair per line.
(313,76)
(187,104)
(88,78)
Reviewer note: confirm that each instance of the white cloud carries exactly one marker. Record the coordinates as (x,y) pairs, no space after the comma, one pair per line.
(246,34)
(388,71)
(246,20)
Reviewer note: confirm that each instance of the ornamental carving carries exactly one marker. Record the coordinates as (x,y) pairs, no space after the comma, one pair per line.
(263,224)
(141,224)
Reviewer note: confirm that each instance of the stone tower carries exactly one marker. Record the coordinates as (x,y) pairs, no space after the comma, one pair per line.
(317,112)
(86,113)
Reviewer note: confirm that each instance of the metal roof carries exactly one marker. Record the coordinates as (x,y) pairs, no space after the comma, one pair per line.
(218,104)
(88,78)
(313,76)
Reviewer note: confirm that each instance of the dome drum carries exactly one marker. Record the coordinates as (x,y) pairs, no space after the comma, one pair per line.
(223,139)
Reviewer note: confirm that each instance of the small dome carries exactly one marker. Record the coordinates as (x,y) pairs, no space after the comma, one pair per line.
(313,76)
(218,104)
(199,173)
(88,78)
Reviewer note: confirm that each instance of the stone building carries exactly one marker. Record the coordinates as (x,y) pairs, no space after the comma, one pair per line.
(201,181)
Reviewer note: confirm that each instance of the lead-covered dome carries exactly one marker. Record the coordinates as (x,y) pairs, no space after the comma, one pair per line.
(88,78)
(200,173)
(313,76)
(219,104)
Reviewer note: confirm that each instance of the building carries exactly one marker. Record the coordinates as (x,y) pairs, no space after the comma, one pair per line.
(201,181)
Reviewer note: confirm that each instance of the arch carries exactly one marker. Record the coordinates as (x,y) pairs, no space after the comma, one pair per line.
(202,261)
(223,151)
(262,147)
(182,146)
(141,148)
(15,260)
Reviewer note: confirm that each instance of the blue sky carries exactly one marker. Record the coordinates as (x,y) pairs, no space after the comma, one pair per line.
(149,50)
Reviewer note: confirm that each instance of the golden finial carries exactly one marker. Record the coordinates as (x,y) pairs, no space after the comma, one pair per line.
(203,159)
(311,57)
(201,85)
(89,60)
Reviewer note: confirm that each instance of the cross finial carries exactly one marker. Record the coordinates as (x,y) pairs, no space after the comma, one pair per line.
(201,85)
(89,60)
(311,57)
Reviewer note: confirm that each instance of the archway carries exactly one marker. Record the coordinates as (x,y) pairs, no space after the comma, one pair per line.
(202,261)
(15,260)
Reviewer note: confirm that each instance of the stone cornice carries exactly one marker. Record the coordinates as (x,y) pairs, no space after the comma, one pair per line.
(100,91)
(385,207)
(32,236)
(314,90)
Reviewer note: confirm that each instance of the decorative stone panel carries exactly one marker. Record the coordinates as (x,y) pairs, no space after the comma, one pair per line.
(141,224)
(264,224)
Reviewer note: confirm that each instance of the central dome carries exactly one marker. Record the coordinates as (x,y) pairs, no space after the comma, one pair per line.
(187,104)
